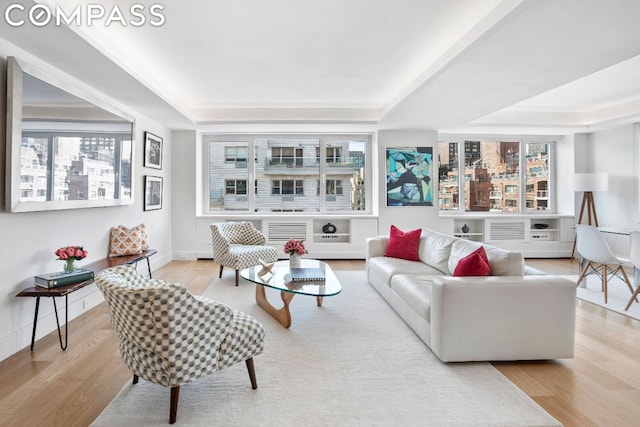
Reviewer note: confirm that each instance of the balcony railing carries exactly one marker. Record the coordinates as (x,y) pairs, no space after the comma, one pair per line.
(287,163)
(304,163)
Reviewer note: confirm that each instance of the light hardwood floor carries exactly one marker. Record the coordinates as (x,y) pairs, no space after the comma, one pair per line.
(48,387)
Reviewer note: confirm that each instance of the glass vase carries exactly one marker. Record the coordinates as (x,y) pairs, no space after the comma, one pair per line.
(69,265)
(294,260)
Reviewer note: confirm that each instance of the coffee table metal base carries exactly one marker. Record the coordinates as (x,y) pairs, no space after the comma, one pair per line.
(282,315)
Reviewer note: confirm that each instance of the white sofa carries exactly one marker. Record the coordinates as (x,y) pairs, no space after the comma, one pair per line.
(516,313)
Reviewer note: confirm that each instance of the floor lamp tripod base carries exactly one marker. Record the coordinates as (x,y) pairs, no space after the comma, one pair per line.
(592,217)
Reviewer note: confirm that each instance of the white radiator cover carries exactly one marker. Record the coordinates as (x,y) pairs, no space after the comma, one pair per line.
(502,230)
(281,232)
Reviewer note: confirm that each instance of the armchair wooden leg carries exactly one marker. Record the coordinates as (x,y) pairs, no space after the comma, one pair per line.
(237,277)
(252,373)
(173,411)
(135,379)
(221,267)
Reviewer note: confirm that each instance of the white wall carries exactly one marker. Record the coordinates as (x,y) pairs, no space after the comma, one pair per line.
(615,152)
(406,217)
(29,239)
(184,200)
(564,167)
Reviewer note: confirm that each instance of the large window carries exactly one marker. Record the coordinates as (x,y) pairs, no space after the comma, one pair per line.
(492,176)
(287,172)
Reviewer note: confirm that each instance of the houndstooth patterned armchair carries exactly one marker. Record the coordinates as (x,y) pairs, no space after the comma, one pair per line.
(170,337)
(239,245)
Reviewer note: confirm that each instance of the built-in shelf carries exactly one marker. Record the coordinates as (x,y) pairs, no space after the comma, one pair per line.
(333,238)
(475,230)
(348,240)
(342,233)
(470,236)
(517,232)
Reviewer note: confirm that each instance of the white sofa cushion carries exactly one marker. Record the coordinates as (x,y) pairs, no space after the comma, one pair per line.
(435,249)
(415,290)
(503,262)
(385,268)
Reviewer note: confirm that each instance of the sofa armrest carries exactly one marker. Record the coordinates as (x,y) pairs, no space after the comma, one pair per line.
(503,318)
(375,246)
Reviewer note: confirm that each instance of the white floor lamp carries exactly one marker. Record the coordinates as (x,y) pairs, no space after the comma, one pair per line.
(588,183)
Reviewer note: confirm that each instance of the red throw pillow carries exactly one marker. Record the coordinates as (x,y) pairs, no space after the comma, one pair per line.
(403,245)
(474,264)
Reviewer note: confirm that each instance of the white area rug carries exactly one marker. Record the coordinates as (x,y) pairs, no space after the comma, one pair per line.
(617,296)
(351,362)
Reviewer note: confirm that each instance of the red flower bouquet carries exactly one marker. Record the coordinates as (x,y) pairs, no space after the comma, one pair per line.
(294,246)
(71,254)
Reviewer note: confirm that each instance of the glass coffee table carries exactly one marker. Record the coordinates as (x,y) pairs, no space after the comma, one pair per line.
(280,279)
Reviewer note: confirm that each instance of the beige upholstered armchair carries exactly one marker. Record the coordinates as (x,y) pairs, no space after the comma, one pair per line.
(170,337)
(239,245)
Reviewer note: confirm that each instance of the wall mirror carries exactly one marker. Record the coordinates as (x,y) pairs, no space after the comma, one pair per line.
(66,148)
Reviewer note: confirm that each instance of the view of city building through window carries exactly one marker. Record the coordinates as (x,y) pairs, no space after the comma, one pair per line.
(491,180)
(62,166)
(290,174)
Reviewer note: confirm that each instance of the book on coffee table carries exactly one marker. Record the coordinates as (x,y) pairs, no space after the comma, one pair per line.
(53,280)
(306,274)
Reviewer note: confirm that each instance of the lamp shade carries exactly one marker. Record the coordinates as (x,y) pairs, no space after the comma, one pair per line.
(590,182)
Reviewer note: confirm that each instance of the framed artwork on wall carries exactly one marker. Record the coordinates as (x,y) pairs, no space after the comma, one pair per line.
(152,151)
(409,176)
(152,193)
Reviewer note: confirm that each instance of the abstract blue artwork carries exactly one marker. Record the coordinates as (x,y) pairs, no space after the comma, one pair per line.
(409,176)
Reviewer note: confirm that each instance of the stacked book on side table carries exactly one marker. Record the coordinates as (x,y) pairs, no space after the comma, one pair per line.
(307,274)
(53,280)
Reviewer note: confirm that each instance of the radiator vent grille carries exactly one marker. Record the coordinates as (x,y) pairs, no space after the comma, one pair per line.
(281,231)
(505,230)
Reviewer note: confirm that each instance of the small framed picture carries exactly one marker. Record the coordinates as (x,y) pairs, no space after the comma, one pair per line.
(152,193)
(152,151)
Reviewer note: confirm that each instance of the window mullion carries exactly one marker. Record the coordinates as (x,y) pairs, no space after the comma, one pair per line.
(251,165)
(462,192)
(51,166)
(322,175)
(522,168)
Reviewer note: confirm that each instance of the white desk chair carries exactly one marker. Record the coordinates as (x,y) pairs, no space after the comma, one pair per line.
(599,258)
(634,257)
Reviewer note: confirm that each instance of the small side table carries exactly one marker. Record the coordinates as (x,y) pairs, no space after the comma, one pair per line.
(64,291)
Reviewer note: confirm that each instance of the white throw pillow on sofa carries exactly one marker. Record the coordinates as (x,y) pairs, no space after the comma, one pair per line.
(503,262)
(435,249)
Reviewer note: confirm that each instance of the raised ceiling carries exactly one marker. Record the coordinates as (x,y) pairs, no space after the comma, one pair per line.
(452,65)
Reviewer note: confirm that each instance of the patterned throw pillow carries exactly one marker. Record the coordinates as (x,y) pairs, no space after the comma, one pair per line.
(128,241)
